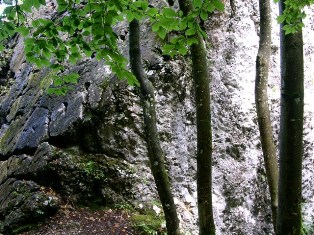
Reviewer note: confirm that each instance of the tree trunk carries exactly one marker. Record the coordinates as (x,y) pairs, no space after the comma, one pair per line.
(262,109)
(204,133)
(291,133)
(154,150)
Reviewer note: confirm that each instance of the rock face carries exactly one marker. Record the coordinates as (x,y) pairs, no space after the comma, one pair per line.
(89,145)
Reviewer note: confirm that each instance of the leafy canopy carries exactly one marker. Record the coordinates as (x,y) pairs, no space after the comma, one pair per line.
(85,28)
(293,15)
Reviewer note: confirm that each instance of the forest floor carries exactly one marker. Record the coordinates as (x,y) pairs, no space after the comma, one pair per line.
(85,221)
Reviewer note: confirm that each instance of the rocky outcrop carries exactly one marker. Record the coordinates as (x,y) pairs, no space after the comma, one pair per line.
(33,187)
(62,148)
(88,146)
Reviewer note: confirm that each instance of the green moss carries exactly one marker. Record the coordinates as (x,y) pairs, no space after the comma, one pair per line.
(6,141)
(46,81)
(148,224)
(38,82)
(105,84)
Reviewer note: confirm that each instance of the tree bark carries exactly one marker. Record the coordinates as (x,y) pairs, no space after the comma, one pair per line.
(204,132)
(154,150)
(262,108)
(289,218)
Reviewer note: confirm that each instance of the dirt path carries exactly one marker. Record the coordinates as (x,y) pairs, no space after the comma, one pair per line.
(84,221)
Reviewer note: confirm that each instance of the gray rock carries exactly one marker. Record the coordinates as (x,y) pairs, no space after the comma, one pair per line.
(23,202)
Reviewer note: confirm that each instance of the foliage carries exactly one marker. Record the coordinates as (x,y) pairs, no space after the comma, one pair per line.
(185,27)
(92,168)
(148,224)
(86,29)
(293,15)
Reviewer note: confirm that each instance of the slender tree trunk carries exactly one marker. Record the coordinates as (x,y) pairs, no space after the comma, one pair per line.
(262,109)
(291,133)
(154,150)
(204,132)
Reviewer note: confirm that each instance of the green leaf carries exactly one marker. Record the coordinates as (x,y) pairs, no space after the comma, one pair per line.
(174,40)
(45,62)
(204,15)
(56,67)
(1,47)
(182,49)
(42,2)
(74,49)
(27,5)
(169,13)
(202,32)
(47,53)
(168,24)
(24,31)
(288,29)
(144,5)
(281,19)
(36,4)
(30,54)
(190,32)
(162,33)
(155,26)
(62,7)
(87,24)
(50,46)
(9,12)
(86,33)
(10,28)
(183,24)
(191,40)
(29,41)
(218,5)
(152,12)
(173,53)
(71,78)
(130,16)
(197,3)
(72,59)
(55,91)
(58,81)
(41,43)
(131,79)
(41,62)
(166,49)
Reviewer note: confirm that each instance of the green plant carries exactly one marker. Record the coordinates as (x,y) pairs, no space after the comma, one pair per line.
(124,206)
(149,224)
(92,169)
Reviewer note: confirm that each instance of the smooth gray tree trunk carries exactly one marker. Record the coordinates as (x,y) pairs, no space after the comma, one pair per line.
(204,130)
(155,153)
(262,107)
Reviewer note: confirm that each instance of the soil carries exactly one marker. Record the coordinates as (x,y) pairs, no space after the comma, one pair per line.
(85,221)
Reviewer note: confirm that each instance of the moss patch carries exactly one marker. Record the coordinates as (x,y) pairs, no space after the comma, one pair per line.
(148,224)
